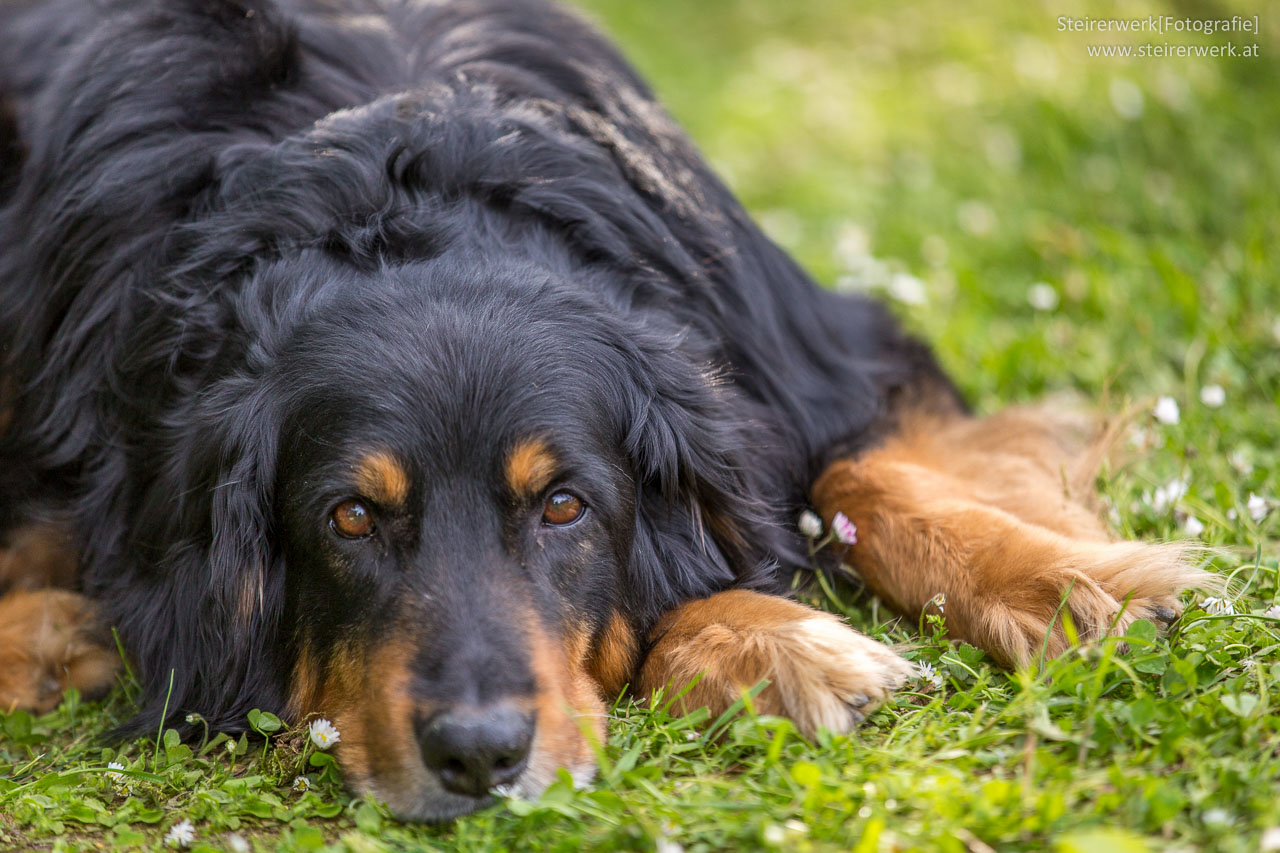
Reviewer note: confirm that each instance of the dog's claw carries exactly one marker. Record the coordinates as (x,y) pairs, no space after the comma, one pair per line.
(857,700)
(1164,614)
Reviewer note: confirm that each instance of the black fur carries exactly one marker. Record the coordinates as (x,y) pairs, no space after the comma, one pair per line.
(238,237)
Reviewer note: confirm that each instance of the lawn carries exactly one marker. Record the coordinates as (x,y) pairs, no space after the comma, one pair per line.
(1055,223)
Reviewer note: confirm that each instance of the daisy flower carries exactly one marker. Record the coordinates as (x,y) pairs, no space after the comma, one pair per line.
(810,524)
(1042,296)
(1213,396)
(1169,494)
(928,672)
(323,734)
(1218,607)
(180,834)
(1257,506)
(1273,611)
(846,531)
(301,784)
(1193,526)
(1166,410)
(122,783)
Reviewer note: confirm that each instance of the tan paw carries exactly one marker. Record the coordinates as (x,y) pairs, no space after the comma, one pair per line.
(827,675)
(49,641)
(821,673)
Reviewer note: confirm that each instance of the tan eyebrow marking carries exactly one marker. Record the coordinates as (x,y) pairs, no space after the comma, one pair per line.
(530,467)
(381,476)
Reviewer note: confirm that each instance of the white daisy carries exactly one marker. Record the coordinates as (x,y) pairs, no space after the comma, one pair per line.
(180,834)
(928,672)
(122,783)
(1258,507)
(1166,410)
(1193,526)
(1216,816)
(301,784)
(1169,494)
(1042,296)
(1218,606)
(810,524)
(323,734)
(1239,460)
(1213,396)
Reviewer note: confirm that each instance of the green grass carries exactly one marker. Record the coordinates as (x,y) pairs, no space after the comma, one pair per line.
(972,156)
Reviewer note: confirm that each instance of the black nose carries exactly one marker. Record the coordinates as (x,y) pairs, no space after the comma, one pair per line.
(473,750)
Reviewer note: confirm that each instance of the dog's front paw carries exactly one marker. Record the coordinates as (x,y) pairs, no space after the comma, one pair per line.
(821,673)
(825,674)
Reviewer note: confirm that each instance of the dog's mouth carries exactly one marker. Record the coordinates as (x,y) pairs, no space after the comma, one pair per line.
(434,763)
(428,800)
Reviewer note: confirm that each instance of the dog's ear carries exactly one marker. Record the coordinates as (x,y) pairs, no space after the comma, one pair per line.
(205,602)
(702,522)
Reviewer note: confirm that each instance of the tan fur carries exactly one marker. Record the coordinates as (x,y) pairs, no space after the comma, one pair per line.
(570,711)
(366,693)
(38,556)
(380,475)
(996,514)
(822,673)
(530,467)
(614,656)
(252,596)
(49,641)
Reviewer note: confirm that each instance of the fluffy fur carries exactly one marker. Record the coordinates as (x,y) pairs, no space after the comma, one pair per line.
(447,261)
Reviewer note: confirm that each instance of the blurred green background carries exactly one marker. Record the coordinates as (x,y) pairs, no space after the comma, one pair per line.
(962,156)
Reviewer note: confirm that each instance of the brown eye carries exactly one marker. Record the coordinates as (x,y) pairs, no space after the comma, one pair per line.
(562,508)
(351,520)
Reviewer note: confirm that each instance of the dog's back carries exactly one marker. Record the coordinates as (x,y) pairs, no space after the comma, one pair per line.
(133,117)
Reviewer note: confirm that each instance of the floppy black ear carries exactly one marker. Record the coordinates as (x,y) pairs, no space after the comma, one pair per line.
(702,520)
(204,604)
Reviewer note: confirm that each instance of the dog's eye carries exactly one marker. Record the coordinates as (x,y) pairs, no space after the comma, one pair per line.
(562,508)
(351,520)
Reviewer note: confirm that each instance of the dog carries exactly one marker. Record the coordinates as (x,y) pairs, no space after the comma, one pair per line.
(402,363)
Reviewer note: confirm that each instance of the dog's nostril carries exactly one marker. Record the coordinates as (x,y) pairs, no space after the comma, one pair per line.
(473,750)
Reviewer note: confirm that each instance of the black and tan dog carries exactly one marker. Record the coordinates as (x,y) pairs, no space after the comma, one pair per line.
(401,362)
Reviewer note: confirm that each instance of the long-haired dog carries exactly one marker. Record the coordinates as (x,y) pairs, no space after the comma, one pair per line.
(403,363)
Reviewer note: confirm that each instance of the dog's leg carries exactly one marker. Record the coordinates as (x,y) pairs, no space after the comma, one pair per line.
(822,673)
(995,515)
(49,641)
(37,556)
(49,638)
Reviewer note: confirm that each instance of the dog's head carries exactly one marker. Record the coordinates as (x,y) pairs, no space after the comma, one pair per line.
(441,504)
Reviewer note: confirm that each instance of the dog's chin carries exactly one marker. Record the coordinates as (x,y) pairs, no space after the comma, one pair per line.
(435,806)
(430,803)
